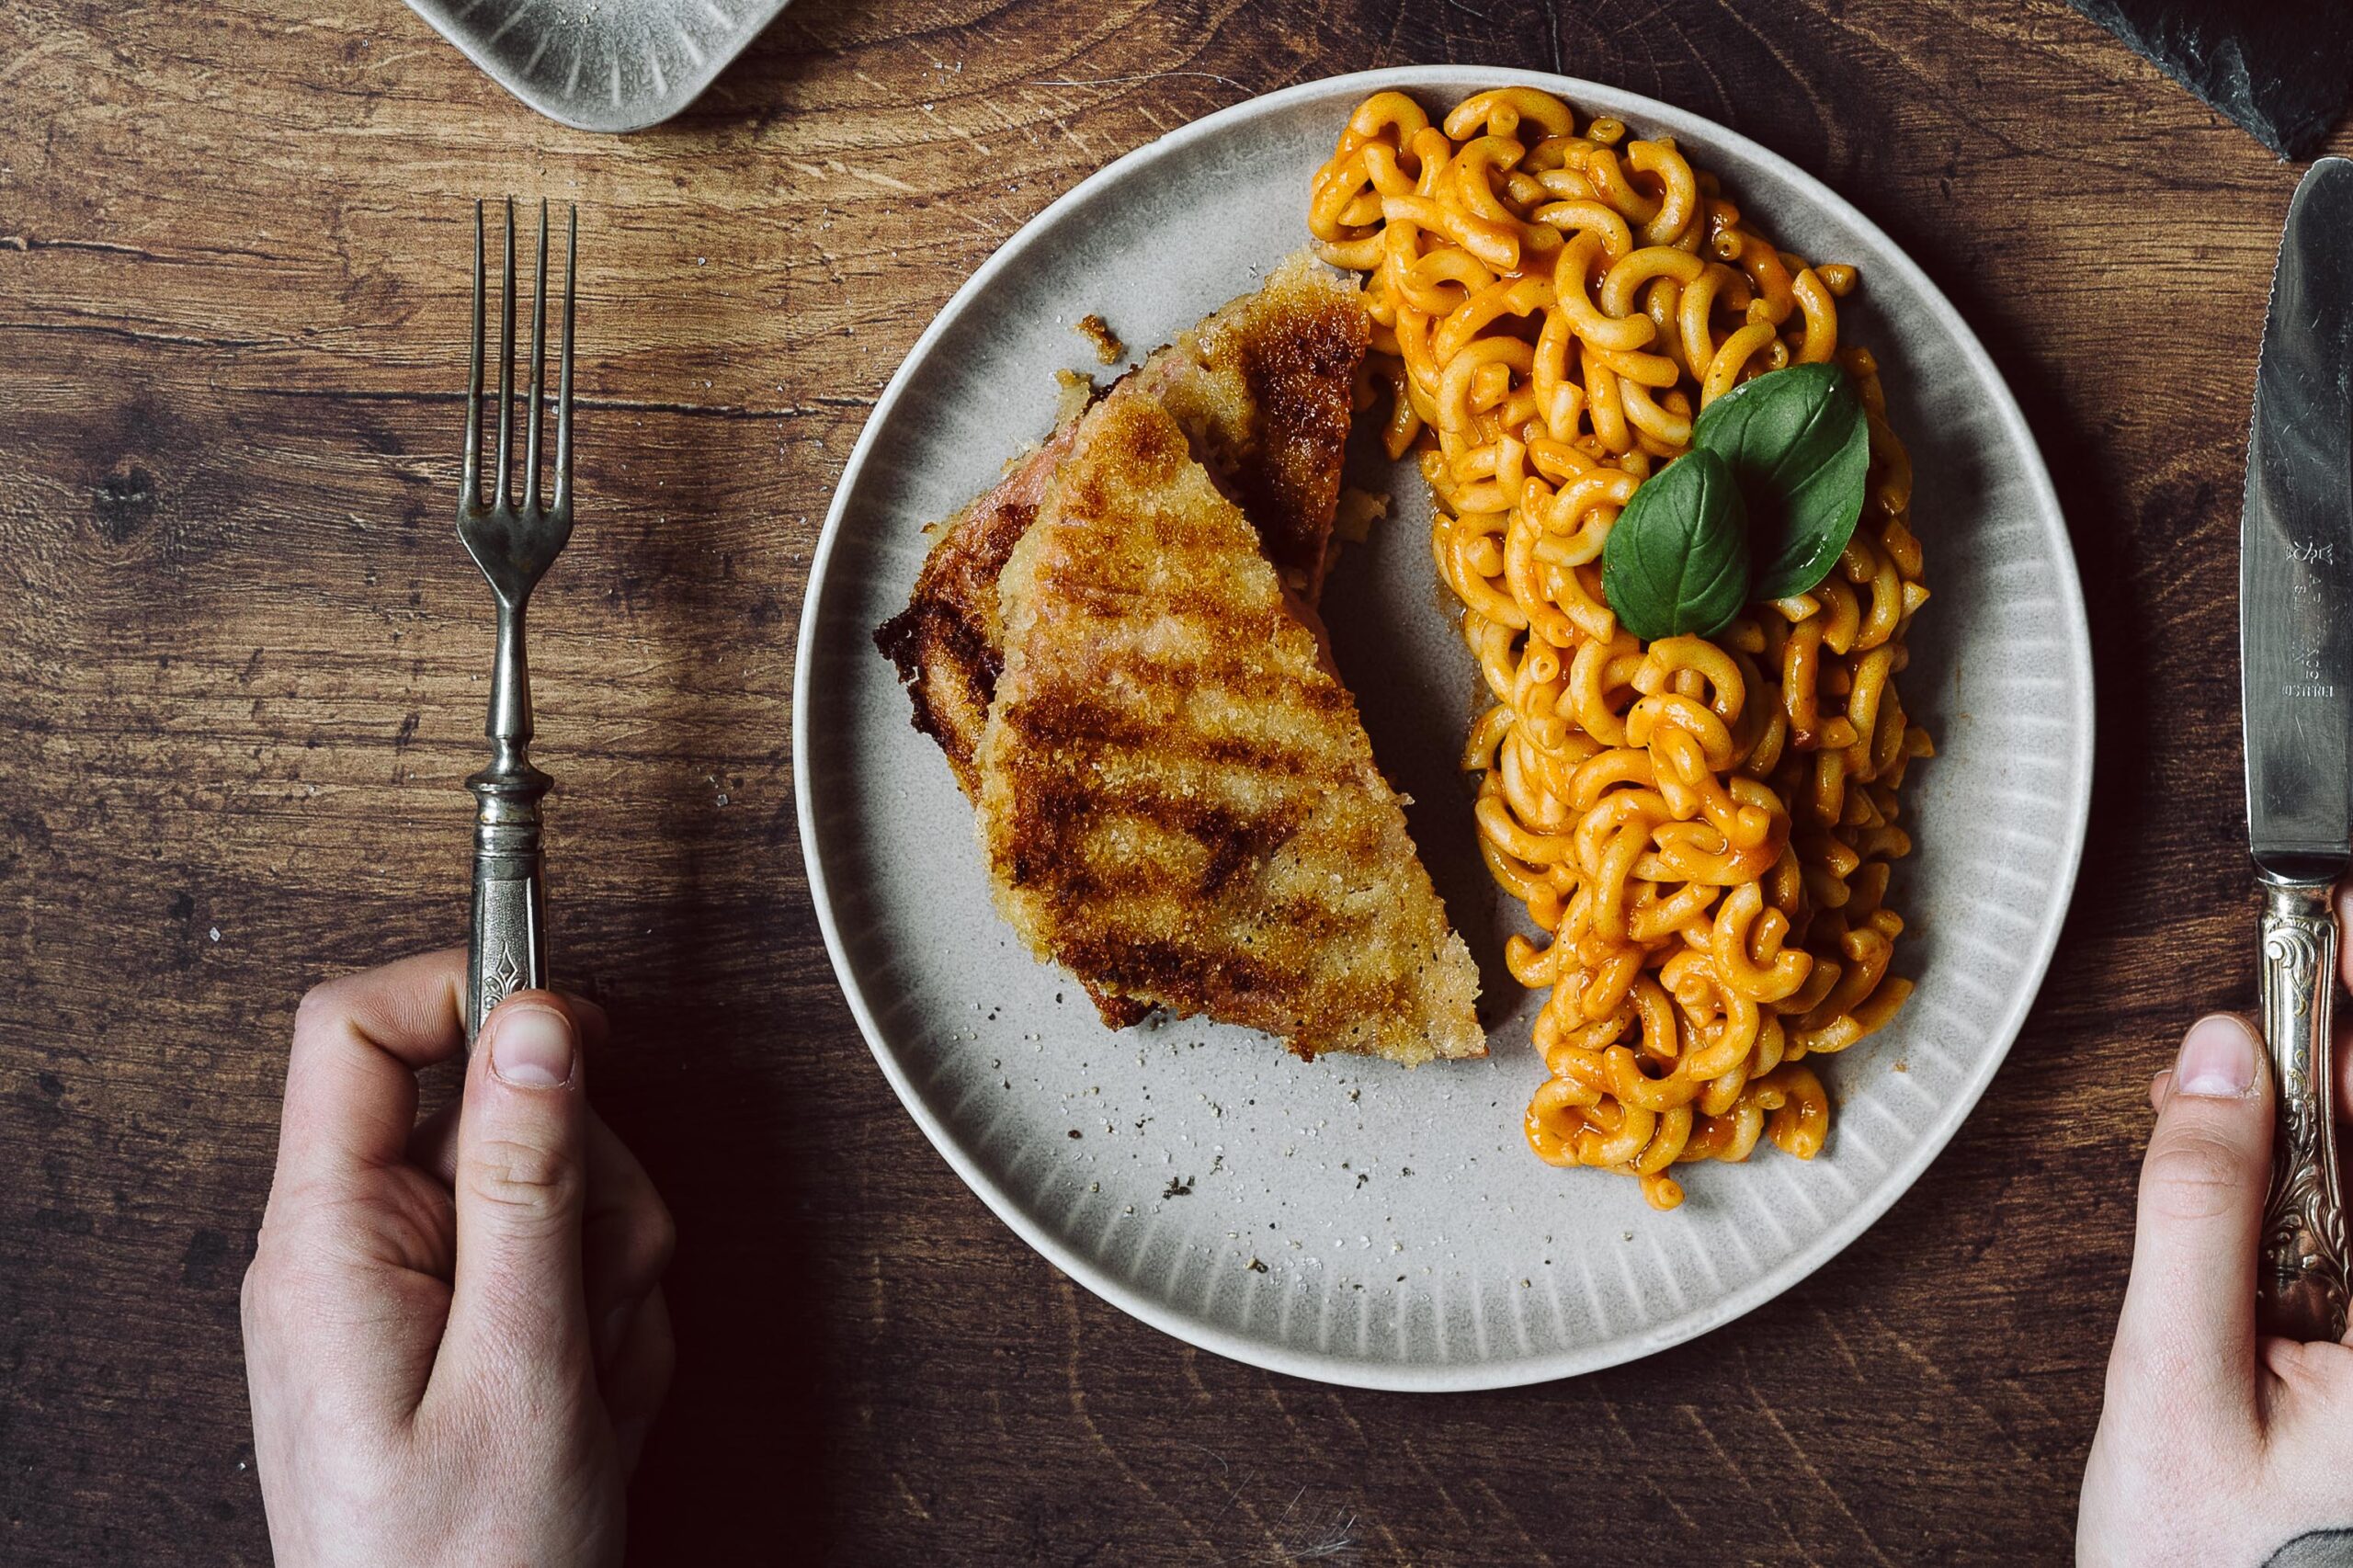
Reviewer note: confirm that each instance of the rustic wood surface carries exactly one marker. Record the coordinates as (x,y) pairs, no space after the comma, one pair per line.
(242,666)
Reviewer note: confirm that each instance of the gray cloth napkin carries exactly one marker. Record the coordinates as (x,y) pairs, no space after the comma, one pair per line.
(2283,69)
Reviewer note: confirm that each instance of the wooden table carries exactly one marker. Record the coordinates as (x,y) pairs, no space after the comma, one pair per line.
(241,666)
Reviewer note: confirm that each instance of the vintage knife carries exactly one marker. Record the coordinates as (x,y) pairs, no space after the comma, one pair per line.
(2296,686)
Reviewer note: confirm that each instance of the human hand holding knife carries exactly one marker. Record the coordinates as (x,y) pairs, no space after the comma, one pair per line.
(2226,1436)
(2296,675)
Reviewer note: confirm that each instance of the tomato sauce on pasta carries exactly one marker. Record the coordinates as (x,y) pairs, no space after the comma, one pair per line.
(1701,827)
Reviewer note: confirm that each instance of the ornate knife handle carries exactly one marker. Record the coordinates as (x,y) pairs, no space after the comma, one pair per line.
(2301,1278)
(506,949)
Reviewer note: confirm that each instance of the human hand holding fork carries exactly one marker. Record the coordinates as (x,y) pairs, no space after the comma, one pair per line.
(455,1336)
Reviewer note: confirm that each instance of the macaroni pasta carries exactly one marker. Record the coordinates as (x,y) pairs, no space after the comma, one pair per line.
(1701,827)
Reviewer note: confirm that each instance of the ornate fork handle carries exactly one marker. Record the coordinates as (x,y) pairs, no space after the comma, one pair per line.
(2301,1278)
(508,950)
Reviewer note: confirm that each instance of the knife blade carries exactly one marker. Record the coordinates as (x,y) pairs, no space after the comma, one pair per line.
(2296,692)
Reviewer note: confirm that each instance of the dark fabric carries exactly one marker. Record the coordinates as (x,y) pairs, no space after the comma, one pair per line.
(2281,68)
(2322,1549)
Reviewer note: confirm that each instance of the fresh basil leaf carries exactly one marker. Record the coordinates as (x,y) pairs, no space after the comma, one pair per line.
(1677,560)
(1799,447)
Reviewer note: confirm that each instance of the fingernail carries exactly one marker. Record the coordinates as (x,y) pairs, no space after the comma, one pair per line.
(2217,1061)
(532,1048)
(613,1330)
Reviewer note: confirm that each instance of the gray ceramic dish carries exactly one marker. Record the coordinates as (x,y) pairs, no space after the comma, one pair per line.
(601,65)
(1345,1220)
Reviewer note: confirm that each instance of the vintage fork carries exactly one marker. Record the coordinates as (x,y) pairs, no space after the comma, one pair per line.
(512,542)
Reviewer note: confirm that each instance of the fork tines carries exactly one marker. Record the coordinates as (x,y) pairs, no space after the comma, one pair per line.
(471,496)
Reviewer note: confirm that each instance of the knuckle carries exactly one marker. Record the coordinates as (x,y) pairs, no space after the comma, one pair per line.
(2322,1367)
(2152,1367)
(527,1178)
(270,1297)
(2328,1368)
(2194,1173)
(661,1236)
(318,1008)
(254,1293)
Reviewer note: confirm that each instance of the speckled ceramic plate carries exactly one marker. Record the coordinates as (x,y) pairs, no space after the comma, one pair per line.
(601,65)
(1345,1220)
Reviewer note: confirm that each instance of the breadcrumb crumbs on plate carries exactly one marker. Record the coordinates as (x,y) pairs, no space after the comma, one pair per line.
(1108,349)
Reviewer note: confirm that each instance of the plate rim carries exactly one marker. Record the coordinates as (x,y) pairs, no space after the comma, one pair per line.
(1493,1373)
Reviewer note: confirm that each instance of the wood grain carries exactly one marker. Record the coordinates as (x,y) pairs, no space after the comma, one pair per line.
(242,671)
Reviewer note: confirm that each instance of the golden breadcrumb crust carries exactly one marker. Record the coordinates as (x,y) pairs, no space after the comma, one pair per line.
(1177,798)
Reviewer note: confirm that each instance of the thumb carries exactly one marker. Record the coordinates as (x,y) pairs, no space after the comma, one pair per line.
(2188,1319)
(516,1304)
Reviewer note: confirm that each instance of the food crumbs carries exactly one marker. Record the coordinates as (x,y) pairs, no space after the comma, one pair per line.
(1179,1188)
(1108,349)
(1255,1266)
(1358,511)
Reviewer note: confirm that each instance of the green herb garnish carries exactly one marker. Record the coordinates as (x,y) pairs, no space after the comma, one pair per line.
(1677,560)
(1798,444)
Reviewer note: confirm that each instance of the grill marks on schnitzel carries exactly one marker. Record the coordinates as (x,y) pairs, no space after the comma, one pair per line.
(1180,803)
